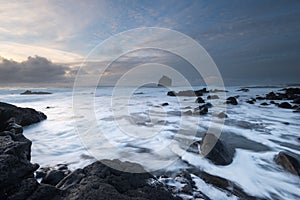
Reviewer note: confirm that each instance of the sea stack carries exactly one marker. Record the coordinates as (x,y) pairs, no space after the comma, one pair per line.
(164,81)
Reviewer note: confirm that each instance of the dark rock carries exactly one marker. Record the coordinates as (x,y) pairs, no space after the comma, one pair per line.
(213,97)
(291,90)
(28,92)
(215,150)
(53,177)
(208,105)
(165,104)
(264,104)
(285,105)
(231,100)
(222,115)
(273,102)
(243,90)
(250,101)
(199,100)
(22,116)
(217,90)
(260,98)
(171,93)
(98,181)
(201,110)
(288,162)
(164,81)
(297,100)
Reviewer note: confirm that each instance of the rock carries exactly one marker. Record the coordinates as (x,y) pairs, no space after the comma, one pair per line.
(222,115)
(297,100)
(28,92)
(188,93)
(53,177)
(243,90)
(273,102)
(264,104)
(22,116)
(201,110)
(188,112)
(215,150)
(98,181)
(231,100)
(288,162)
(260,98)
(250,101)
(285,105)
(165,104)
(213,97)
(199,100)
(164,81)
(217,90)
(171,93)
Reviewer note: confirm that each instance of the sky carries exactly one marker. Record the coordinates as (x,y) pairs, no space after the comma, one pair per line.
(43,43)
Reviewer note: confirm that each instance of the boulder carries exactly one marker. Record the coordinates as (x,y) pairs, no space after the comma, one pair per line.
(250,101)
(231,100)
(288,162)
(264,104)
(215,150)
(222,115)
(285,105)
(199,100)
(297,100)
(165,104)
(53,177)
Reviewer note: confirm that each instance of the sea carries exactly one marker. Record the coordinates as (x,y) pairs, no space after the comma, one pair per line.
(134,124)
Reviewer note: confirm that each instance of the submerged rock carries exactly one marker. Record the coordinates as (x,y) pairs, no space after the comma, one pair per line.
(288,162)
(215,150)
(222,115)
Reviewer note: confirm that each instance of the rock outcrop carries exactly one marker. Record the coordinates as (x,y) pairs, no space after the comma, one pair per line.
(28,92)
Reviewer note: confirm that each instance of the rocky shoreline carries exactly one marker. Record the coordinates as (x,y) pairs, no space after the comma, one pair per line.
(21,179)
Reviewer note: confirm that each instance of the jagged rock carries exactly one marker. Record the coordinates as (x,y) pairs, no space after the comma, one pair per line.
(285,105)
(288,162)
(213,97)
(231,100)
(164,81)
(53,177)
(199,100)
(215,150)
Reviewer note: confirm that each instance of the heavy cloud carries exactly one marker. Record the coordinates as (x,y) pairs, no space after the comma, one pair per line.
(37,71)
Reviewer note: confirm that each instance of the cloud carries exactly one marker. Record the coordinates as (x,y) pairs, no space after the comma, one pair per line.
(35,71)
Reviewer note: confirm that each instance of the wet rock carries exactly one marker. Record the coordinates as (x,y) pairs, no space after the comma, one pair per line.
(213,97)
(231,100)
(201,110)
(264,104)
(188,93)
(260,98)
(285,105)
(215,150)
(288,162)
(171,93)
(199,100)
(222,115)
(53,177)
(165,104)
(217,90)
(273,102)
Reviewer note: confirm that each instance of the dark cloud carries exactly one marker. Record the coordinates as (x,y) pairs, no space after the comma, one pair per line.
(37,71)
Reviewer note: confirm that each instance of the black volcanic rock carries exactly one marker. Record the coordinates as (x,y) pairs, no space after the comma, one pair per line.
(22,116)
(215,150)
(231,100)
(213,97)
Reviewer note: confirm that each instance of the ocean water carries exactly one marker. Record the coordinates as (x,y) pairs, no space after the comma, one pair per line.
(130,124)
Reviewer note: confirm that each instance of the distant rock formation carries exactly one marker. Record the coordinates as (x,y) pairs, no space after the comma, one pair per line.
(27,92)
(164,81)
